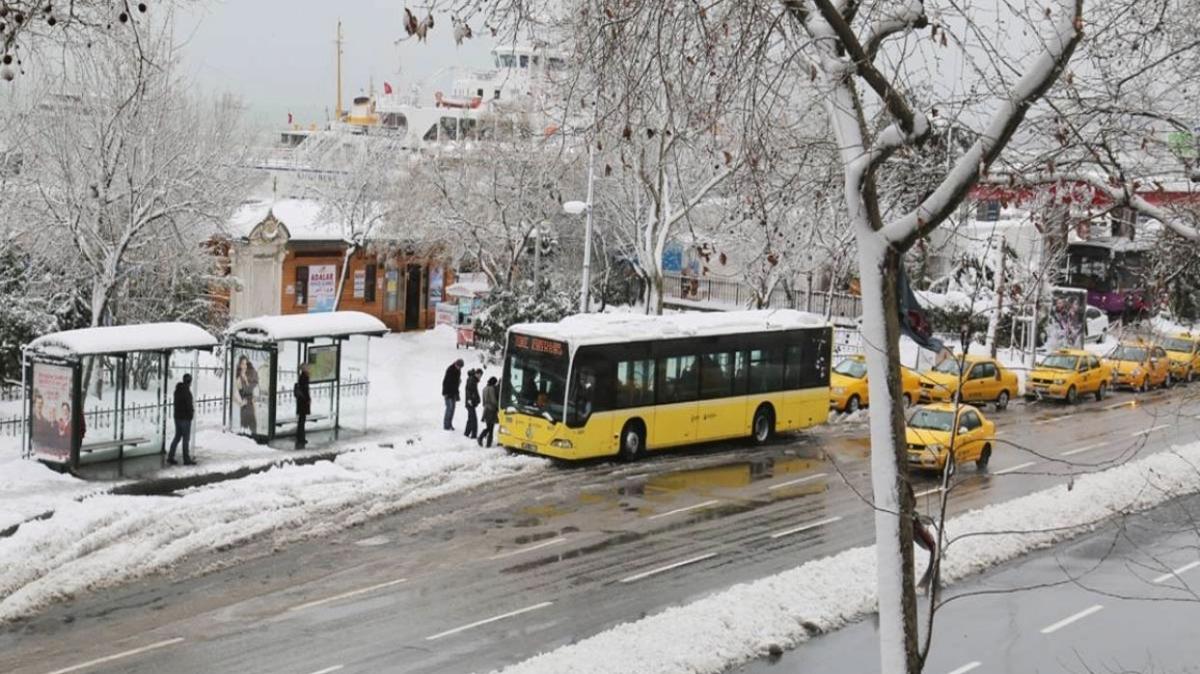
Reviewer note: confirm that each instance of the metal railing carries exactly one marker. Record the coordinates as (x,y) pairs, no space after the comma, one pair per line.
(717,294)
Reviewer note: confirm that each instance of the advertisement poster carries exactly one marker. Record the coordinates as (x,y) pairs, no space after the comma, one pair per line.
(1065,324)
(435,285)
(322,287)
(53,418)
(360,283)
(322,363)
(251,390)
(446,313)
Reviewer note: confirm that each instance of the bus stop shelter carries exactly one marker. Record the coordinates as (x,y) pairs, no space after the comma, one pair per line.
(102,394)
(263,359)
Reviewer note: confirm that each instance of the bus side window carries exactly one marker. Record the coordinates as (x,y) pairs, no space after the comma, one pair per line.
(795,368)
(678,379)
(635,383)
(741,373)
(766,370)
(716,375)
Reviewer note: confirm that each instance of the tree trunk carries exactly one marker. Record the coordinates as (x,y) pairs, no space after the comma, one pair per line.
(899,652)
(337,298)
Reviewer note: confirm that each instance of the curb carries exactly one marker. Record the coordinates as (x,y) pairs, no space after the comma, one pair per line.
(168,485)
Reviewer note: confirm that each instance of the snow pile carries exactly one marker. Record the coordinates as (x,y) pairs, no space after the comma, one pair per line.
(106,540)
(29,489)
(739,624)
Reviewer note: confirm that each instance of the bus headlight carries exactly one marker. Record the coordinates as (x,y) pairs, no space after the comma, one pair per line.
(562,444)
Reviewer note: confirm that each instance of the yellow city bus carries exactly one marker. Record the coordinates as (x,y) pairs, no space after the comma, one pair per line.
(621,384)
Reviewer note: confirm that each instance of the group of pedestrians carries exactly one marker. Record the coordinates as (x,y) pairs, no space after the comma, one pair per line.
(489,398)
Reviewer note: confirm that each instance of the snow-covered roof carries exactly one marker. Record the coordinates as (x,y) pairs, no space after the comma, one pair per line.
(307,326)
(607,328)
(304,219)
(469,285)
(124,338)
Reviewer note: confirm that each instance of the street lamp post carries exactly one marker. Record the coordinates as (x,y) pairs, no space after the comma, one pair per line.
(585,207)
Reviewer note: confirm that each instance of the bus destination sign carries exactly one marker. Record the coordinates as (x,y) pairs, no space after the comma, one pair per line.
(546,346)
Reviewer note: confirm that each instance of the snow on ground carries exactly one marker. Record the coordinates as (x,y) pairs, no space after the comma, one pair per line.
(741,623)
(405,410)
(107,540)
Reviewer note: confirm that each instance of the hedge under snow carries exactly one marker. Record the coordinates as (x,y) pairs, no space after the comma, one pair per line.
(739,624)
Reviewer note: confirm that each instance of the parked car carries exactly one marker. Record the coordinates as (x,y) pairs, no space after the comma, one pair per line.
(1067,374)
(848,390)
(934,436)
(1183,351)
(981,379)
(1138,366)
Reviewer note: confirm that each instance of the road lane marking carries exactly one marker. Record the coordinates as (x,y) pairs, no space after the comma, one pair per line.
(1150,430)
(529,548)
(1052,419)
(1051,629)
(485,621)
(1013,469)
(967,667)
(684,510)
(1177,572)
(345,595)
(789,483)
(330,670)
(117,656)
(669,567)
(806,527)
(1085,448)
(927,492)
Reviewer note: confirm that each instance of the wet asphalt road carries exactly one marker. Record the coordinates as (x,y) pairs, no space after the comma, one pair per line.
(1123,599)
(483,579)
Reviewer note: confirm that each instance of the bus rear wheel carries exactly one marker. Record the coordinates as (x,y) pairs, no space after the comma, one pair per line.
(633,441)
(763,426)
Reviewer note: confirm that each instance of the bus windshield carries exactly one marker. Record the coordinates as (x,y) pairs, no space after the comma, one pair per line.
(1060,362)
(1132,353)
(535,377)
(851,367)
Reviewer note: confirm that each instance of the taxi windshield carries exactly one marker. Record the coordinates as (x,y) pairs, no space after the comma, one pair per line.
(851,367)
(933,420)
(1136,354)
(1060,362)
(948,366)
(1184,345)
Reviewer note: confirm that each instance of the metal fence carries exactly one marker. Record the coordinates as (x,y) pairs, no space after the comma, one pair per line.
(717,294)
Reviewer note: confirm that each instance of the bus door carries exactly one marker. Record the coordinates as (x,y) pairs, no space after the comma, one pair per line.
(722,409)
(589,399)
(676,393)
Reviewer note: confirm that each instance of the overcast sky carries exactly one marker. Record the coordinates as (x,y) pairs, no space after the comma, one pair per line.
(278,55)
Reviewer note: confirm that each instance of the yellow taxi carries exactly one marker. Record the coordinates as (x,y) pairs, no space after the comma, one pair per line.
(1067,374)
(1138,366)
(982,380)
(1183,351)
(848,385)
(934,438)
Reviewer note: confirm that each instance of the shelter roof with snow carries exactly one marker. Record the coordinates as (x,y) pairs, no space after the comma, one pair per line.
(123,339)
(609,328)
(307,326)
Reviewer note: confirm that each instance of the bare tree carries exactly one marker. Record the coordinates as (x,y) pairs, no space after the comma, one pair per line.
(127,172)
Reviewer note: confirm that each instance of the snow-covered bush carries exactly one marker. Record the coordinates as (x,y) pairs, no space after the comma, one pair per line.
(509,306)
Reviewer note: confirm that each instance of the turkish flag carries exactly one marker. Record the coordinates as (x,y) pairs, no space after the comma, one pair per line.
(387,89)
(289,118)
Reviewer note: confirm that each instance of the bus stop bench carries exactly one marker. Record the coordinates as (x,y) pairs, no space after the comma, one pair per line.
(316,417)
(111,444)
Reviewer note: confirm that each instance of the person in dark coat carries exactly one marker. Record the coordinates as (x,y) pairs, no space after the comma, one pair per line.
(450,384)
(185,411)
(491,410)
(472,401)
(303,405)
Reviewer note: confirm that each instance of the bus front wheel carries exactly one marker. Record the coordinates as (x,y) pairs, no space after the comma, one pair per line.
(633,441)
(764,425)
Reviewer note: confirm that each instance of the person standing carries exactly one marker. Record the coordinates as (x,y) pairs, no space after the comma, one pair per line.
(303,405)
(185,411)
(472,401)
(450,384)
(491,410)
